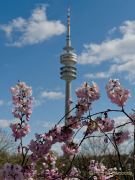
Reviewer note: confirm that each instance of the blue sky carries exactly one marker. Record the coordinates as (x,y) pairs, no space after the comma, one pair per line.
(32,35)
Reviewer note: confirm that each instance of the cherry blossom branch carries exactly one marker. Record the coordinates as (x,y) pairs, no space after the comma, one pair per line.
(66,115)
(75,154)
(106,111)
(133,121)
(118,153)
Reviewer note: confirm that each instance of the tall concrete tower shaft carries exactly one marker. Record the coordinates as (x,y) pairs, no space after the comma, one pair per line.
(68,71)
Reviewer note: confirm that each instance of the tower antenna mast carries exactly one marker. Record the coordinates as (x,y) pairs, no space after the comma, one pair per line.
(68,71)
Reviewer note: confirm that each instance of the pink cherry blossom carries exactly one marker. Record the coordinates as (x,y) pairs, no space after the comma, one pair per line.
(22,100)
(50,174)
(44,142)
(121,136)
(74,173)
(100,171)
(82,107)
(106,124)
(11,172)
(50,171)
(88,92)
(86,95)
(70,148)
(29,171)
(20,130)
(73,122)
(116,92)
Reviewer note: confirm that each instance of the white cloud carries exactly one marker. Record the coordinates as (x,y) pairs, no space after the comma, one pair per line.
(100,75)
(37,102)
(120,120)
(52,95)
(119,52)
(4,123)
(37,28)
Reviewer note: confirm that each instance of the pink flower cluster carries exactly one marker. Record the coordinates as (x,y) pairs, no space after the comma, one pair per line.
(86,95)
(51,174)
(88,92)
(43,142)
(116,92)
(21,96)
(19,130)
(74,122)
(50,171)
(49,159)
(99,171)
(17,172)
(101,124)
(74,174)
(121,136)
(22,100)
(70,148)
(105,124)
(11,172)
(29,171)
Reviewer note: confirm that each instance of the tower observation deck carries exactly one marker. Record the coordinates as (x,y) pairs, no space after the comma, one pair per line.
(68,71)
